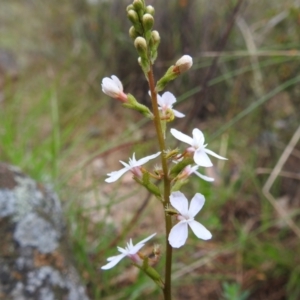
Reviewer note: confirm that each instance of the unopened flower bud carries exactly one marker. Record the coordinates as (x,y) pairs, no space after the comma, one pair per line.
(133,33)
(148,22)
(155,38)
(129,7)
(113,87)
(153,45)
(150,10)
(133,16)
(141,46)
(138,5)
(183,64)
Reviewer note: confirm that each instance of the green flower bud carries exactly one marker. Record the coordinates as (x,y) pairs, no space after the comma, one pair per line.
(133,17)
(155,39)
(133,33)
(138,5)
(148,22)
(141,46)
(150,10)
(129,7)
(153,44)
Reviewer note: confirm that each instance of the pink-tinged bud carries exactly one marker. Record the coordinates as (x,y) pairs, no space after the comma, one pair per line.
(137,172)
(137,258)
(183,64)
(113,87)
(187,171)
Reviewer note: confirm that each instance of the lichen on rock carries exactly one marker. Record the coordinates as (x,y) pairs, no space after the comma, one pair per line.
(35,261)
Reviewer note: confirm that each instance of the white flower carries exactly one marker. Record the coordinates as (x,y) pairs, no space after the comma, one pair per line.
(166,102)
(188,170)
(179,232)
(133,166)
(184,63)
(130,251)
(197,146)
(113,87)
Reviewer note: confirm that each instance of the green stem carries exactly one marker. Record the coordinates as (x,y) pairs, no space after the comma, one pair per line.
(167,186)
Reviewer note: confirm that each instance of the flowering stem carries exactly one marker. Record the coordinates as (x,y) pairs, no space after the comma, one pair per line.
(167,187)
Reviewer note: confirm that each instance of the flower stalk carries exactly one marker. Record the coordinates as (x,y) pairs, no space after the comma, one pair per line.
(166,179)
(174,204)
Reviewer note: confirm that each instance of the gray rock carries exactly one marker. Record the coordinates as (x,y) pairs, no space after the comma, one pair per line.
(35,261)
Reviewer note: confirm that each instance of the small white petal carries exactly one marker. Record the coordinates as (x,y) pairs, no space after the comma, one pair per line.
(178,234)
(117,82)
(141,244)
(113,262)
(146,159)
(200,231)
(110,87)
(178,114)
(201,158)
(122,250)
(214,154)
(196,204)
(198,136)
(136,248)
(206,178)
(115,175)
(168,99)
(182,137)
(179,202)
(128,251)
(127,166)
(146,239)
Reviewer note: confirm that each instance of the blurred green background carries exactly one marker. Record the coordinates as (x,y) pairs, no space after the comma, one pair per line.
(243,92)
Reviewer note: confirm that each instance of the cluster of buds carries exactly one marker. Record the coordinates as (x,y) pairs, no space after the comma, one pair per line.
(146,40)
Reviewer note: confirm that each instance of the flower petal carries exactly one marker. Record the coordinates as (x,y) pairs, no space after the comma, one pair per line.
(178,114)
(146,159)
(115,175)
(201,158)
(178,234)
(146,239)
(214,154)
(196,204)
(135,249)
(117,82)
(179,201)
(109,87)
(113,261)
(181,136)
(206,178)
(198,136)
(200,231)
(168,99)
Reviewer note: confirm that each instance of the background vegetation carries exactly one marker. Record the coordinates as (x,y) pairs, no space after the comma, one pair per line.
(243,92)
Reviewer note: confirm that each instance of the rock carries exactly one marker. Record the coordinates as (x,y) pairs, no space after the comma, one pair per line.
(35,260)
